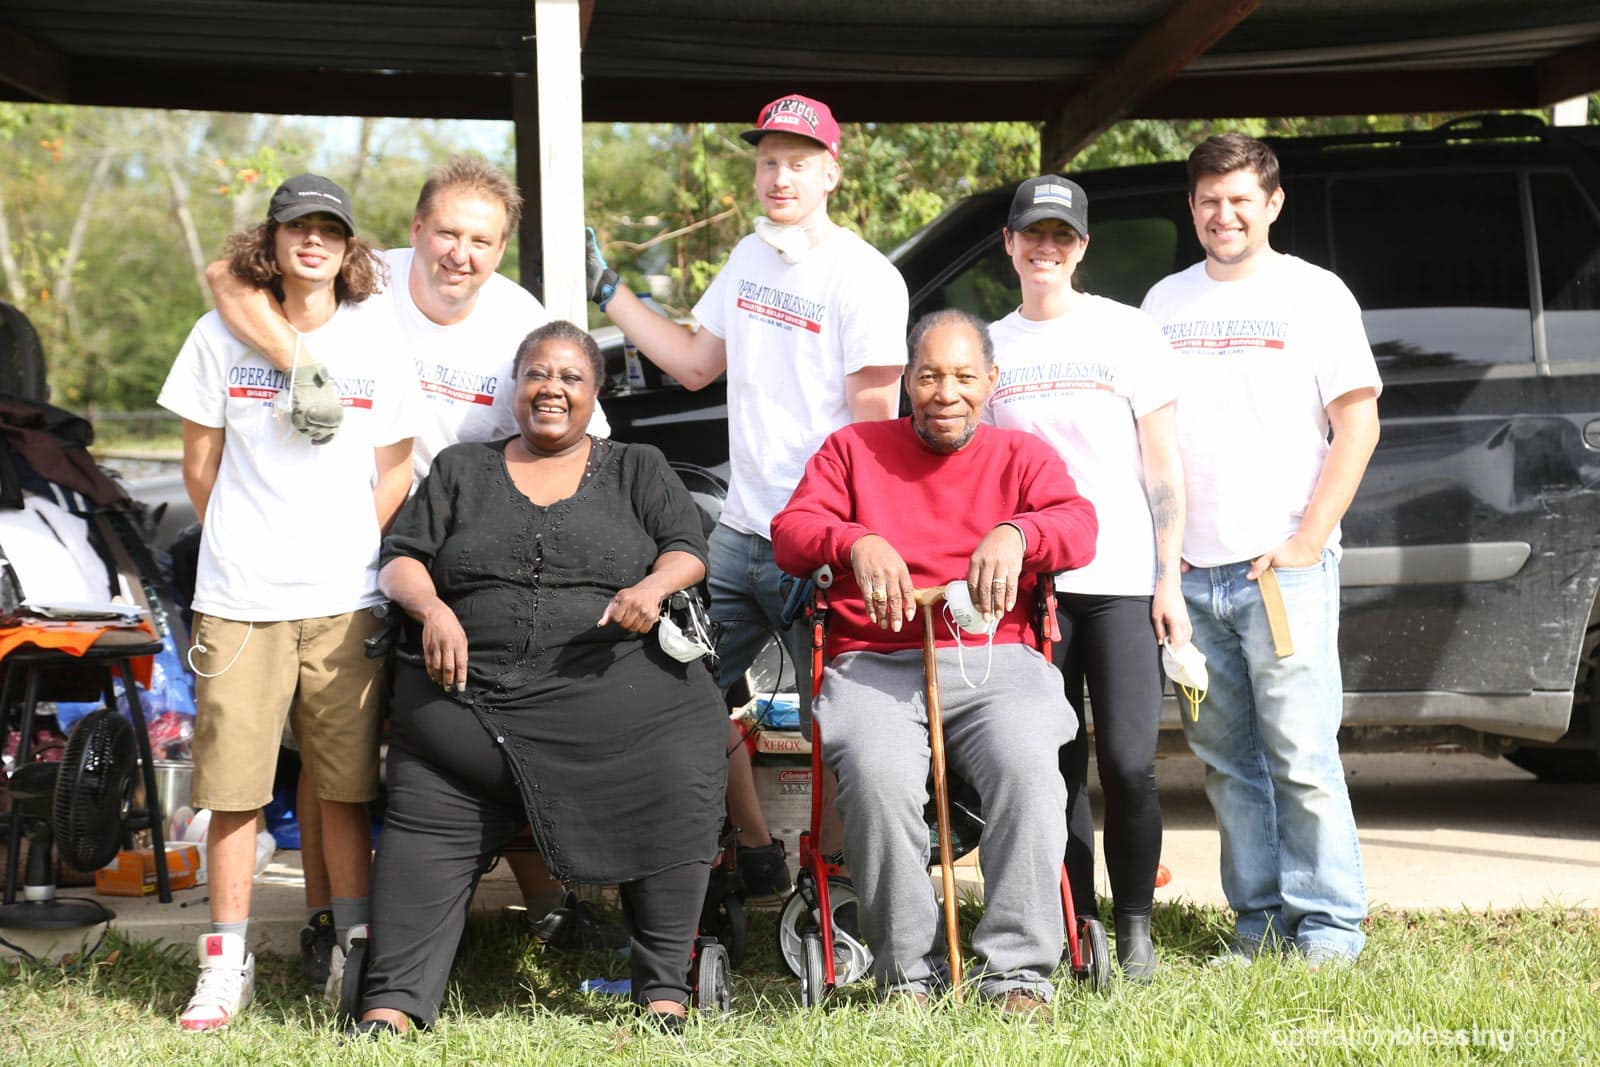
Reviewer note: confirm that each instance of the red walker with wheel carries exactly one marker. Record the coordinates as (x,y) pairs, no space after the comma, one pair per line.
(817,933)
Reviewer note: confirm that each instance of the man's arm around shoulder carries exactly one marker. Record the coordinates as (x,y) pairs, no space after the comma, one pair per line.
(251,315)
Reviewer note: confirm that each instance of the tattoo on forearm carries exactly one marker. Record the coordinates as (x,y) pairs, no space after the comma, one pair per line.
(1163,507)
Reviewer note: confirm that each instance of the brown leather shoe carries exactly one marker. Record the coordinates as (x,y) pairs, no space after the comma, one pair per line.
(1026,1005)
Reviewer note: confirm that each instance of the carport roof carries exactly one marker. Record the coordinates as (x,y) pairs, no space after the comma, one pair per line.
(886,60)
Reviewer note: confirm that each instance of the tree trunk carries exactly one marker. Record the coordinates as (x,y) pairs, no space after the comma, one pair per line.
(180,208)
(363,149)
(65,291)
(8,258)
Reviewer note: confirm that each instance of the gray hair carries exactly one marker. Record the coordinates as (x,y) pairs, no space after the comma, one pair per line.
(934,320)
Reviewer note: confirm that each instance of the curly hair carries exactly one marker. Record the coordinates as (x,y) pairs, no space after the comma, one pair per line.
(472,174)
(253,258)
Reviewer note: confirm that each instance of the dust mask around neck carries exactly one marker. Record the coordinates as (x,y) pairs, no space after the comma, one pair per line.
(793,243)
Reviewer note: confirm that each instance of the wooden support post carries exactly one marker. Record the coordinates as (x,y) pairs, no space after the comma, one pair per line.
(557,54)
(530,234)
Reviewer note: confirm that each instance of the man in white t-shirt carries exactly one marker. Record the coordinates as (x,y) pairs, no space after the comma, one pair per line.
(461,320)
(1271,356)
(288,563)
(809,322)
(460,323)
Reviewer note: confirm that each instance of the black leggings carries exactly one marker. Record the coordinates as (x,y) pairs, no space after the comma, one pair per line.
(453,805)
(1107,642)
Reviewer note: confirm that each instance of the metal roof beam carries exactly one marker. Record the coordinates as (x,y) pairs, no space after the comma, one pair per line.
(1571,72)
(1186,32)
(1341,93)
(38,71)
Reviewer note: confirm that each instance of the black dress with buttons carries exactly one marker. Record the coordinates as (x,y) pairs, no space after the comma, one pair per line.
(615,747)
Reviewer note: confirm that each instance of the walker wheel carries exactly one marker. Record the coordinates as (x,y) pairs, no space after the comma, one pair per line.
(713,990)
(852,959)
(813,978)
(1096,957)
(355,976)
(730,927)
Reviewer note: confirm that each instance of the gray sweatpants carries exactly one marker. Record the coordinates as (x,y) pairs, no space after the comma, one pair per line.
(1003,738)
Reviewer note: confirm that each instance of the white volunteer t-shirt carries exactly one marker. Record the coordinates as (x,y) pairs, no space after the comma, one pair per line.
(291,531)
(793,332)
(464,369)
(1259,360)
(1080,381)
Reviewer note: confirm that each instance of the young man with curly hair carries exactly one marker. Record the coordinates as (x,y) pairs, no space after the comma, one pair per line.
(288,560)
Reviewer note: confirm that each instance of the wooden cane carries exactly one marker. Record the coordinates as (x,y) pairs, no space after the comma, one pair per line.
(926,599)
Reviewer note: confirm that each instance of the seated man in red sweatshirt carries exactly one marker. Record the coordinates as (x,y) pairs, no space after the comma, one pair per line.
(919,502)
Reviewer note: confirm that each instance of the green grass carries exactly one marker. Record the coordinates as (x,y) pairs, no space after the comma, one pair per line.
(1528,982)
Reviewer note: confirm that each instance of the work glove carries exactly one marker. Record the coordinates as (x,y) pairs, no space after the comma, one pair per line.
(602,279)
(315,410)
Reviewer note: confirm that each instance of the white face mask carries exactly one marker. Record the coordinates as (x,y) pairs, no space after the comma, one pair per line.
(1186,666)
(790,242)
(685,645)
(961,614)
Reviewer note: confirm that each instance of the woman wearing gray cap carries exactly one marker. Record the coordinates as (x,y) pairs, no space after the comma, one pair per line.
(1092,377)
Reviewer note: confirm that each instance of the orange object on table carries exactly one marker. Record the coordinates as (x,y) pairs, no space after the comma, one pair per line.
(75,638)
(133,872)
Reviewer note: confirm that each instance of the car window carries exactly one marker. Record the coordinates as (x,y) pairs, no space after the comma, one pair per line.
(1131,248)
(1569,266)
(987,286)
(1128,255)
(1438,265)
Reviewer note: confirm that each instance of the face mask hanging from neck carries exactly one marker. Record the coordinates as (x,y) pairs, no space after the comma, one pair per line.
(790,242)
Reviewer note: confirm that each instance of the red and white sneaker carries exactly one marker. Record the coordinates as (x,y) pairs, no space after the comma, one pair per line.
(227,982)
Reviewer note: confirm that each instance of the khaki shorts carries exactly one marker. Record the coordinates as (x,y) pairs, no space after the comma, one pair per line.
(313,669)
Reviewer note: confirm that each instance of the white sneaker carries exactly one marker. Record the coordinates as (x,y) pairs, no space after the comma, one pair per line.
(227,982)
(333,992)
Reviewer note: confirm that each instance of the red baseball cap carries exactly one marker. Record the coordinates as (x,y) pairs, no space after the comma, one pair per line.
(799,115)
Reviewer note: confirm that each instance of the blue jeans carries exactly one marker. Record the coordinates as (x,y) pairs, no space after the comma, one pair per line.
(1268,734)
(745,604)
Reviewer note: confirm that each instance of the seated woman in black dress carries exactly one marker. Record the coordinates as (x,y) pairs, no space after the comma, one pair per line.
(531,689)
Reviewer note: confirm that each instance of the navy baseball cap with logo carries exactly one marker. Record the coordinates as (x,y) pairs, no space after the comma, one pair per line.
(1049,196)
(306,194)
(799,115)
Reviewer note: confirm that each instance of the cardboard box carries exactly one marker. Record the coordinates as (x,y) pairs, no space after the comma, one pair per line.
(782,743)
(133,872)
(783,786)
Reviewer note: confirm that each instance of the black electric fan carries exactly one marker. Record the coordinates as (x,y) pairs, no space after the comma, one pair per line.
(78,809)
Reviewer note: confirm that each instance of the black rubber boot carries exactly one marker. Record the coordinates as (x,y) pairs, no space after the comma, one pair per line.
(1135,954)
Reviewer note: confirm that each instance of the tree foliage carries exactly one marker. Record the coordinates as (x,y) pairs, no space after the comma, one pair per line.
(108,215)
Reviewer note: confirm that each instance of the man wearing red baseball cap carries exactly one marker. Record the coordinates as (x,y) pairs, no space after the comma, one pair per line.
(809,322)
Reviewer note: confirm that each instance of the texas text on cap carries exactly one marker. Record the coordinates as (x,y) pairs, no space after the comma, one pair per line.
(799,115)
(1049,197)
(305,194)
